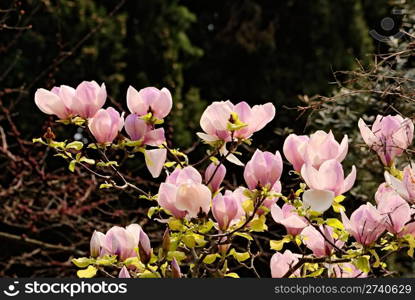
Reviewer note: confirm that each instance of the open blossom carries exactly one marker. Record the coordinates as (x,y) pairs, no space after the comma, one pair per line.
(139,130)
(226,209)
(183,193)
(58,101)
(89,97)
(329,177)
(105,125)
(214,176)
(121,242)
(346,270)
(288,217)
(314,150)
(325,183)
(264,169)
(318,243)
(405,187)
(149,100)
(389,136)
(281,263)
(366,224)
(395,209)
(218,116)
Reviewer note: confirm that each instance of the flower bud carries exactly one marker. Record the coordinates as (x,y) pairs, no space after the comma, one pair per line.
(96,243)
(175,268)
(264,169)
(124,273)
(214,176)
(105,125)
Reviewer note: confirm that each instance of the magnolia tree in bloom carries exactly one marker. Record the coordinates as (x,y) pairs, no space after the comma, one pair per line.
(210,226)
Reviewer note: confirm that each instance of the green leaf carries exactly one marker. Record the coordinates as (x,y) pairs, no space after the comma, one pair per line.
(89,161)
(244,235)
(78,121)
(105,185)
(232,275)
(71,166)
(149,274)
(258,224)
(248,206)
(189,240)
(152,211)
(338,207)
(107,260)
(239,256)
(206,227)
(176,224)
(335,223)
(411,243)
(89,272)
(178,255)
(107,164)
(77,145)
(170,164)
(362,263)
(210,258)
(278,245)
(82,262)
(38,140)
(316,273)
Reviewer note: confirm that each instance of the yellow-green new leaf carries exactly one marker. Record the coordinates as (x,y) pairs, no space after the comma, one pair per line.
(82,262)
(210,258)
(89,272)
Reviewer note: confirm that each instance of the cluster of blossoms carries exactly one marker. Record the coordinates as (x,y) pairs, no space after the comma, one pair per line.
(148,108)
(204,214)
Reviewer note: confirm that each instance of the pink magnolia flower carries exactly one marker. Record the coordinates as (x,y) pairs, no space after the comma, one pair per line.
(294,150)
(318,243)
(225,209)
(149,100)
(217,116)
(329,177)
(366,224)
(314,150)
(264,169)
(409,228)
(155,159)
(183,193)
(323,146)
(89,97)
(318,200)
(395,209)
(288,217)
(405,187)
(105,125)
(57,101)
(281,263)
(124,273)
(139,130)
(346,270)
(389,136)
(215,177)
(121,242)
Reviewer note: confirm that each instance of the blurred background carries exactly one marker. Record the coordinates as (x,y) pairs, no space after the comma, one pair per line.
(304,56)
